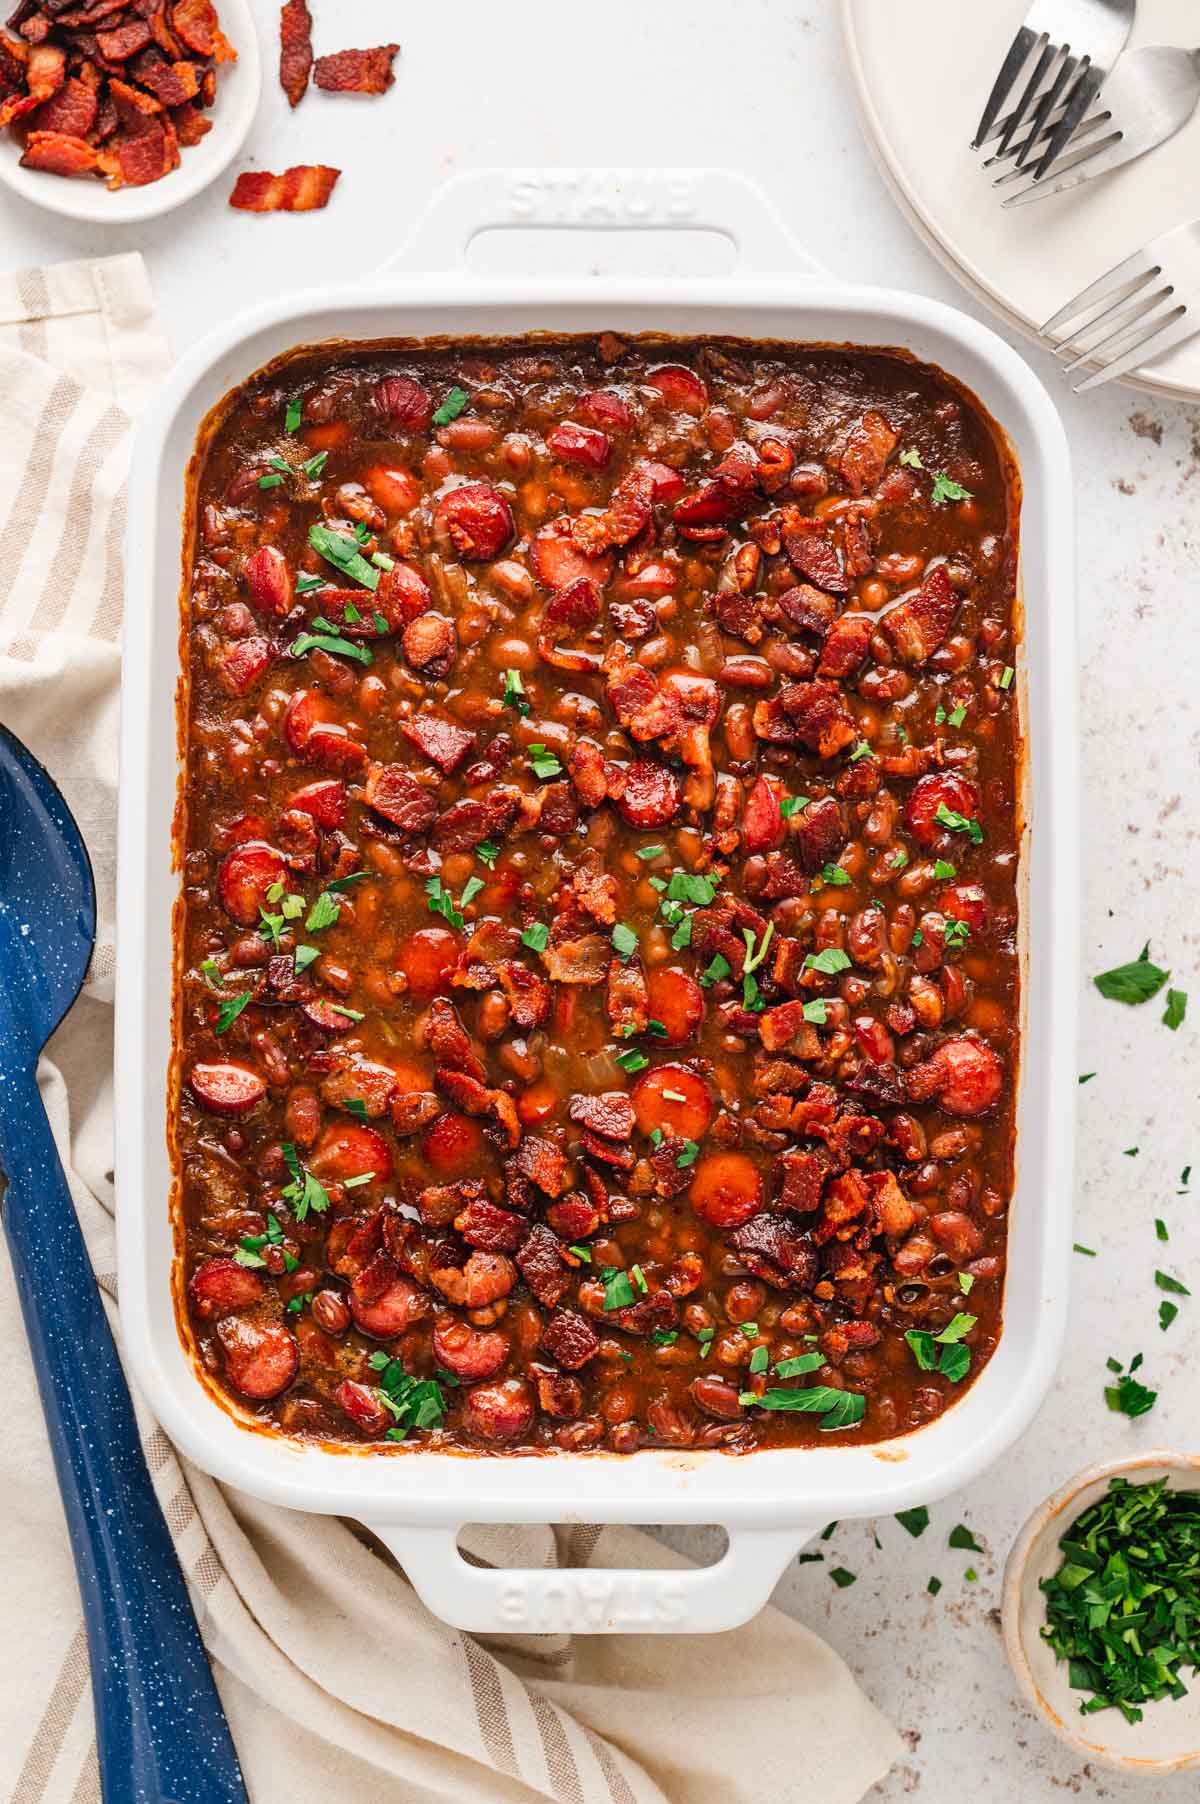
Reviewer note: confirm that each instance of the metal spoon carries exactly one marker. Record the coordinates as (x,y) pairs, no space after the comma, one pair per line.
(160,1731)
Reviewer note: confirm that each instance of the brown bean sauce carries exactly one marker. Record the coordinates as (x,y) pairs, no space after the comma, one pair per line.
(598,990)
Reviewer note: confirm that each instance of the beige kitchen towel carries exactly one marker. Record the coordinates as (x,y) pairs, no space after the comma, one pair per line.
(338,1683)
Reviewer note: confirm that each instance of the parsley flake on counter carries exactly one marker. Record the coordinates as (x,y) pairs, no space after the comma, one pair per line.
(1133,983)
(916,1521)
(1165,1281)
(1176,1009)
(946,489)
(842,1578)
(961,1536)
(1088,1252)
(451,407)
(1129,1396)
(934,1586)
(1160,1228)
(1167,1313)
(543,762)
(1085,1077)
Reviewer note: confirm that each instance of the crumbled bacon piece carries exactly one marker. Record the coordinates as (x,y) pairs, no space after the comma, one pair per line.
(302,189)
(295,49)
(58,154)
(357,71)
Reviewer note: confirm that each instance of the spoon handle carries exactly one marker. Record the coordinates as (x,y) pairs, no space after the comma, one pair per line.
(161,1733)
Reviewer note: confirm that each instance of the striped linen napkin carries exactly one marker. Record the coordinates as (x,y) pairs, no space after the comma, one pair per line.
(338,1683)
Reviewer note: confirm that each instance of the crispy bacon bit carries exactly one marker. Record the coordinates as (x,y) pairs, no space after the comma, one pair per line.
(196,22)
(357,71)
(58,154)
(302,189)
(918,624)
(295,49)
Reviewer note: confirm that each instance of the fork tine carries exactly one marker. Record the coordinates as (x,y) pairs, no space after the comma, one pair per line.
(1097,291)
(1010,68)
(1083,94)
(1045,106)
(1133,321)
(1134,290)
(1070,171)
(1091,125)
(998,130)
(1044,64)
(1185,326)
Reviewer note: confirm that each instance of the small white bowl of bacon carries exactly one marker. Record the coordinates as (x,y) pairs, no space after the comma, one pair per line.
(120,110)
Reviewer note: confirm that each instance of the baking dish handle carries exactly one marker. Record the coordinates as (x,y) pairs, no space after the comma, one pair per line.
(602,200)
(579,1600)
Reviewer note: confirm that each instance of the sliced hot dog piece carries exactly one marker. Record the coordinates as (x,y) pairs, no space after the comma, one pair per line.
(940,790)
(304,711)
(652,795)
(967,902)
(245,876)
(222,1287)
(466,1351)
(677,1001)
(260,1360)
(349,1150)
(500,1411)
(726,1190)
(557,563)
(605,409)
(680,388)
(763,825)
(226,1089)
(580,445)
(965,1075)
(478,520)
(452,1145)
(427,959)
(673,1098)
(362,1403)
(401,1305)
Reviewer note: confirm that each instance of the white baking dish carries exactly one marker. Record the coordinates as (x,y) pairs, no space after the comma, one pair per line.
(770,1502)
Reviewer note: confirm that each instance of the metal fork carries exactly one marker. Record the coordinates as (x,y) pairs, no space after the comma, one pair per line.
(1149,96)
(1136,311)
(1073,45)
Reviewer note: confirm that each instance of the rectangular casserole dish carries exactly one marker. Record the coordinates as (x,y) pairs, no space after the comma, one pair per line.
(770,1502)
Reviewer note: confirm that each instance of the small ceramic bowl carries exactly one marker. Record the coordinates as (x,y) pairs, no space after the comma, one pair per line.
(239,88)
(1167,1740)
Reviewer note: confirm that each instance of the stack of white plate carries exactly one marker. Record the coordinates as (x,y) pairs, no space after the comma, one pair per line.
(921,74)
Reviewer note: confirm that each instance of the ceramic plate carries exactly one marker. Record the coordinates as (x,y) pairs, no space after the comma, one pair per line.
(921,82)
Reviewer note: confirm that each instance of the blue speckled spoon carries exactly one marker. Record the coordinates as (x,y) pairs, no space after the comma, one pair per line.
(160,1729)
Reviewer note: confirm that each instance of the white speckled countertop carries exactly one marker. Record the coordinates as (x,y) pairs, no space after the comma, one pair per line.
(760,87)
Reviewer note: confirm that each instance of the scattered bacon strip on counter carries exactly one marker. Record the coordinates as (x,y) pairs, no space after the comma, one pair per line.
(295,49)
(357,71)
(112,88)
(299,190)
